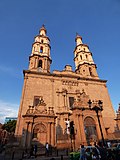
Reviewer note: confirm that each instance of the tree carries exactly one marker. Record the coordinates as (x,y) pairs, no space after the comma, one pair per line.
(10,126)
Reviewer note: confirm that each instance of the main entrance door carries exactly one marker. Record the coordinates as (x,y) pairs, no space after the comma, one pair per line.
(40,133)
(90,130)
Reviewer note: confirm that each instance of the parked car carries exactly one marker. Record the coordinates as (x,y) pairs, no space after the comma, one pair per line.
(115,146)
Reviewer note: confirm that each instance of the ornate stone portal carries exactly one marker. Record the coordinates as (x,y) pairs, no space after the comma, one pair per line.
(40,125)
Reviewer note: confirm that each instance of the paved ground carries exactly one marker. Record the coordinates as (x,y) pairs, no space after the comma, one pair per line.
(49,158)
(61,155)
(39,158)
(1,157)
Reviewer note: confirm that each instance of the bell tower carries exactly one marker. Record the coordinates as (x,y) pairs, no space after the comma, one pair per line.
(84,64)
(40,59)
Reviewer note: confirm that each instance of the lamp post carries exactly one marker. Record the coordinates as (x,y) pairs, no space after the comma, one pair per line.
(97,106)
(72,133)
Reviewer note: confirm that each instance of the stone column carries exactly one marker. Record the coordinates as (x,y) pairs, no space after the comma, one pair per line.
(66,106)
(53,134)
(67,102)
(49,133)
(29,137)
(102,126)
(64,101)
(52,81)
(78,136)
(61,100)
(24,134)
(58,101)
(82,131)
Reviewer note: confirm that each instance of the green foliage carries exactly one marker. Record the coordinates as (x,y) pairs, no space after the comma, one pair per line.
(74,155)
(10,126)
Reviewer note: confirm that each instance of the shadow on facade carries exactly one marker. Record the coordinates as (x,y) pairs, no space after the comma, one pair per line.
(14,150)
(62,138)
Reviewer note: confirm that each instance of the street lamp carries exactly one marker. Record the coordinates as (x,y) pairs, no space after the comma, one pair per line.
(72,133)
(97,106)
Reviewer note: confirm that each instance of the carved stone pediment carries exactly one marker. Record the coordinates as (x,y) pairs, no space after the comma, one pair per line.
(40,108)
(41,102)
(82,100)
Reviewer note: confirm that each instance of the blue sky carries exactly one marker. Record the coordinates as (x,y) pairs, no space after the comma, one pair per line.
(97,21)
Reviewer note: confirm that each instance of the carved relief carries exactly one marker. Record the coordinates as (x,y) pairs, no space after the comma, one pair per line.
(81,100)
(40,110)
(30,110)
(39,107)
(70,83)
(40,128)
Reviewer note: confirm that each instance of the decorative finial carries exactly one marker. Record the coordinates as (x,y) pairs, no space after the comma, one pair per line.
(119,108)
(43,28)
(78,36)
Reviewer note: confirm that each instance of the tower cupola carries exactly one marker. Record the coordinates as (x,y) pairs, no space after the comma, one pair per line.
(43,31)
(40,59)
(84,64)
(78,39)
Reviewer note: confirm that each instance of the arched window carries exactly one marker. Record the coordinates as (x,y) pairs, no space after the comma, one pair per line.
(41,49)
(42,41)
(90,70)
(71,102)
(40,63)
(81,57)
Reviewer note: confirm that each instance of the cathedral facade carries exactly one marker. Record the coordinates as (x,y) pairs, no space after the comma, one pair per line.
(51,101)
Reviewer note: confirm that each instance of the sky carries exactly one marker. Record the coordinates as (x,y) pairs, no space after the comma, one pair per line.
(97,21)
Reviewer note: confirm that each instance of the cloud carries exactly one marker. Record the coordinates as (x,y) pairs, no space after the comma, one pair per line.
(7,110)
(10,71)
(6,69)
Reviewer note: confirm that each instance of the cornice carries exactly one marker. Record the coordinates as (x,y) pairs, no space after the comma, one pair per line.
(39,115)
(81,45)
(42,43)
(88,64)
(77,77)
(42,36)
(40,56)
(83,52)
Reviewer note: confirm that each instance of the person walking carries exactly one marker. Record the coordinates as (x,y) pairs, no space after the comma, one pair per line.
(82,153)
(47,149)
(35,150)
(102,151)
